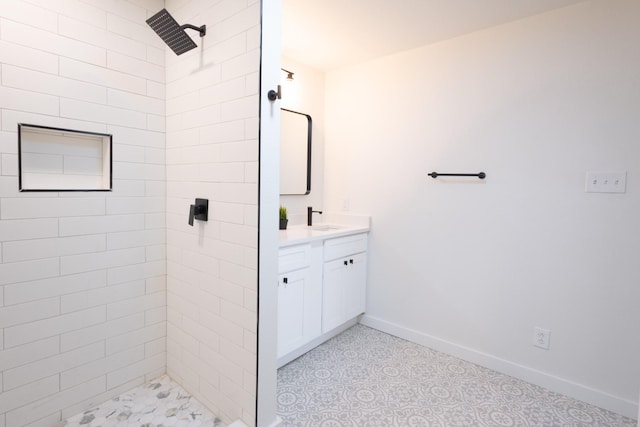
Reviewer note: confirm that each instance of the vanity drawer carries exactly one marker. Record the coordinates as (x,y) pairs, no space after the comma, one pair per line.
(344,246)
(294,257)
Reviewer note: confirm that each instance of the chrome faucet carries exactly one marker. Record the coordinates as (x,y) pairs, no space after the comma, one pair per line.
(310,212)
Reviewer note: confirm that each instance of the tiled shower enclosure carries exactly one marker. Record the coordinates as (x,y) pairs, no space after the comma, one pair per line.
(103,291)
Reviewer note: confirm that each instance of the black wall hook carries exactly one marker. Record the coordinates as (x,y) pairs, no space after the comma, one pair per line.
(199,211)
(273,95)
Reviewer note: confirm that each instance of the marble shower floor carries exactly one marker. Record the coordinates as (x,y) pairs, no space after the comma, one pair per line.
(366,378)
(160,402)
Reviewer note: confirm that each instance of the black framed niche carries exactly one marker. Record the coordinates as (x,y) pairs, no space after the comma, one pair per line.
(56,159)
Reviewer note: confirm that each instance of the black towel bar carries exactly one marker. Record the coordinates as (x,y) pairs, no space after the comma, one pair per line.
(480,175)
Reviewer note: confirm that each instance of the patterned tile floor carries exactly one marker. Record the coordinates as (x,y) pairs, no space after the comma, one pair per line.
(158,403)
(364,377)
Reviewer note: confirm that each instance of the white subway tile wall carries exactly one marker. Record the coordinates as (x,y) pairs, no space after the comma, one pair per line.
(82,275)
(212,153)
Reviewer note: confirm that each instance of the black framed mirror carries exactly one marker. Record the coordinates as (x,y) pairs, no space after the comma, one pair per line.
(295,153)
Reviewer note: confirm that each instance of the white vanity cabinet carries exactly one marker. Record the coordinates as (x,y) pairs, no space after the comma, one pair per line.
(299,295)
(344,279)
(321,286)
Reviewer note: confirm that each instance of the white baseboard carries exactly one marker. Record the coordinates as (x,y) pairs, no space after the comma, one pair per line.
(276,423)
(553,383)
(315,342)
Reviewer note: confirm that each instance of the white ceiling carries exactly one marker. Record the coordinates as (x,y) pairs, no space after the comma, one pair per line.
(328,34)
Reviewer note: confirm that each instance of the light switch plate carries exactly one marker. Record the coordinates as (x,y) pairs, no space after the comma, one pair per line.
(606,182)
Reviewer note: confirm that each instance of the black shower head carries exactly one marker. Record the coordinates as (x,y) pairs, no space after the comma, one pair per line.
(172,33)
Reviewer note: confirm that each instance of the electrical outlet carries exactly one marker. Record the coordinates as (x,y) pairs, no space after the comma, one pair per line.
(606,182)
(541,337)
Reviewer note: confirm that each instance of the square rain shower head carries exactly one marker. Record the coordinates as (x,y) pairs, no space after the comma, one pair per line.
(172,33)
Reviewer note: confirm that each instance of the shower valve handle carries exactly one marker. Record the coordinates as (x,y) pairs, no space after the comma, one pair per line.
(199,211)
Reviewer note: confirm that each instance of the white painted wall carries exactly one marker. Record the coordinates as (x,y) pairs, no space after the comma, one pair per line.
(82,275)
(305,94)
(469,266)
(212,153)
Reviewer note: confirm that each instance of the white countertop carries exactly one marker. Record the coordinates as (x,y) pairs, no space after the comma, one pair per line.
(339,225)
(299,234)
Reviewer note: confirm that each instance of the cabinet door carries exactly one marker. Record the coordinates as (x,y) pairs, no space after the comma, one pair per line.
(333,294)
(343,290)
(292,322)
(355,285)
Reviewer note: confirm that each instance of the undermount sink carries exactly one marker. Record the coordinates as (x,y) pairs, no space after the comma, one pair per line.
(325,227)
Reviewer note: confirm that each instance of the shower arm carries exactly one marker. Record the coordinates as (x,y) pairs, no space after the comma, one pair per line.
(202,30)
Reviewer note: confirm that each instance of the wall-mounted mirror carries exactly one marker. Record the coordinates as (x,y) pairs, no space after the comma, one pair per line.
(295,152)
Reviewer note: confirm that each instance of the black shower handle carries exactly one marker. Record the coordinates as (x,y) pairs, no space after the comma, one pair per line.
(199,211)
(192,213)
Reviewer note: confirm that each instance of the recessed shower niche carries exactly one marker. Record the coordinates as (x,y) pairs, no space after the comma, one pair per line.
(54,159)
